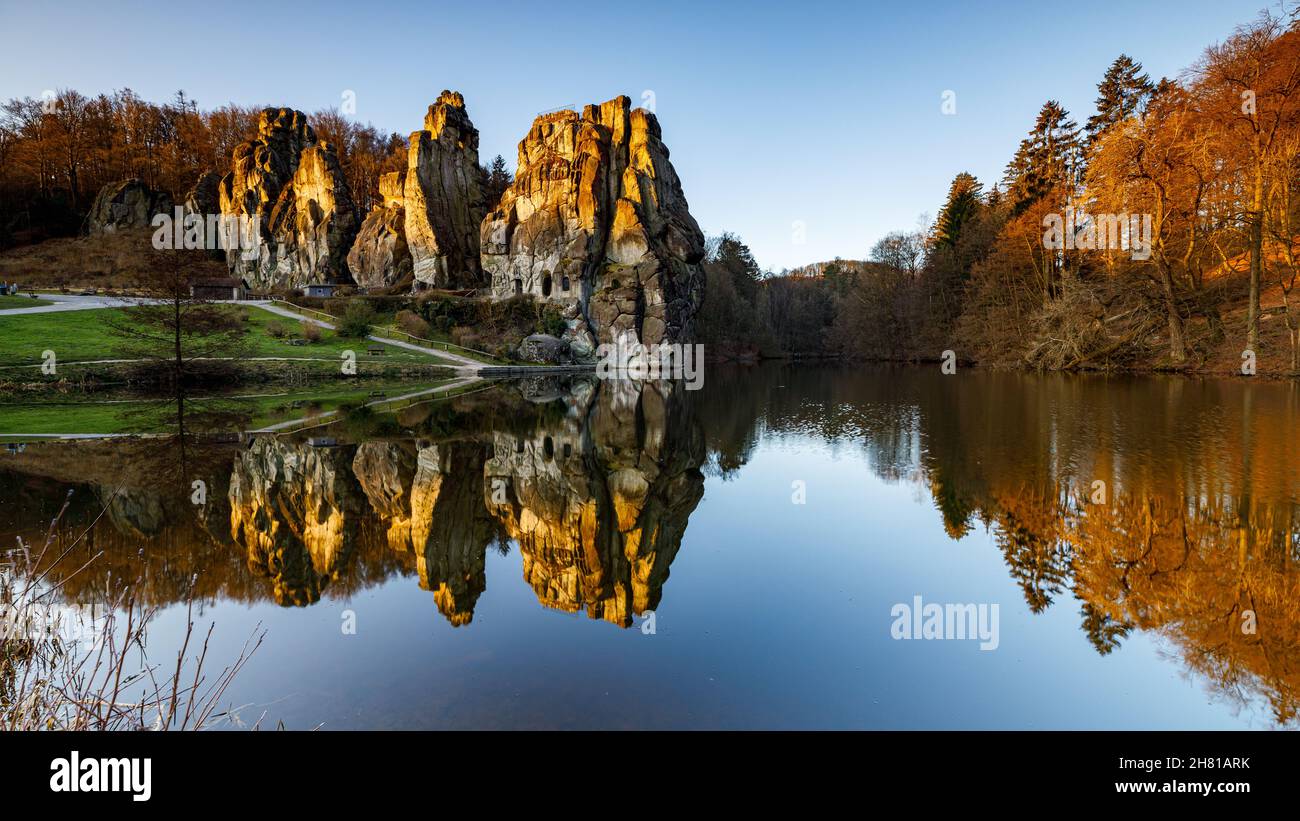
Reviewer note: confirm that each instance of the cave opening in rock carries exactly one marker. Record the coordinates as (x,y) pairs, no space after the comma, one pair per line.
(519,285)
(546,285)
(564,283)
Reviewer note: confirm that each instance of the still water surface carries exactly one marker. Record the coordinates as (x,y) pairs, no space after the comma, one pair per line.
(500,554)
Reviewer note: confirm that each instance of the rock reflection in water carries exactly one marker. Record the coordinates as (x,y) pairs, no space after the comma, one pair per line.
(595,487)
(1196,533)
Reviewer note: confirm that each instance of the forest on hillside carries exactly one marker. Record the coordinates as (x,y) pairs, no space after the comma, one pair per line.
(1205,166)
(57,151)
(1173,206)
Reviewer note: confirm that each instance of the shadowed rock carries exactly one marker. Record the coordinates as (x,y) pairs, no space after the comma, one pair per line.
(385,471)
(125,205)
(380,257)
(450,528)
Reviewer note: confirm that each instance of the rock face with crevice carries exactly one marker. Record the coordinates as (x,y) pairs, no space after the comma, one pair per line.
(596,222)
(203,201)
(385,470)
(430,500)
(380,257)
(444,198)
(126,205)
(293,185)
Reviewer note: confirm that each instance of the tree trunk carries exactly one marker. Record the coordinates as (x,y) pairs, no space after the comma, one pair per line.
(1177,346)
(1256,262)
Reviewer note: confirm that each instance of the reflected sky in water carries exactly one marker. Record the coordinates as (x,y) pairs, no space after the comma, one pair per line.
(521,603)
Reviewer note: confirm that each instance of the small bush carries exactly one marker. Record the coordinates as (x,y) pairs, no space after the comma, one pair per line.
(550,322)
(411,323)
(311,332)
(277,329)
(357,320)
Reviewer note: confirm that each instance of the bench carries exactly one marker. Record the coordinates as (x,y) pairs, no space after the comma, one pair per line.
(377,350)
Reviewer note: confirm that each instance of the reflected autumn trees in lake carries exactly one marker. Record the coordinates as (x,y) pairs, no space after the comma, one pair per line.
(1147,504)
(1163,505)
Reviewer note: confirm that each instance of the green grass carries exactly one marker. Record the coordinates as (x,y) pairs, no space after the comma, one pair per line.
(146,416)
(79,336)
(8,302)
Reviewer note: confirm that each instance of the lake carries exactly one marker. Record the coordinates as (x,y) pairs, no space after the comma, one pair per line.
(793,546)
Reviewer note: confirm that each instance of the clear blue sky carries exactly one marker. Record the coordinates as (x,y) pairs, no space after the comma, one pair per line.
(775,112)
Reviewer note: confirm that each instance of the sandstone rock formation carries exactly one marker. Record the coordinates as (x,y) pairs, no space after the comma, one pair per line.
(293,185)
(203,200)
(126,205)
(444,200)
(597,223)
(380,257)
(205,197)
(431,501)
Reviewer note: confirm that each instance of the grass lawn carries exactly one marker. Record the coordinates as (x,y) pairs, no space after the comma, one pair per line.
(144,416)
(8,302)
(78,336)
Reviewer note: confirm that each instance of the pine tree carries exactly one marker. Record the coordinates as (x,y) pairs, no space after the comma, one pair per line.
(993,199)
(1049,158)
(497,180)
(963,203)
(1122,93)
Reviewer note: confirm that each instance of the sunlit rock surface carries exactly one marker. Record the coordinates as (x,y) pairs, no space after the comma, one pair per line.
(599,504)
(385,471)
(293,184)
(450,528)
(444,198)
(597,223)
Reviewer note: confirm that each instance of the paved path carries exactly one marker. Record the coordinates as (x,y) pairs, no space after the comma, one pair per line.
(462,363)
(72,302)
(316,420)
(333,359)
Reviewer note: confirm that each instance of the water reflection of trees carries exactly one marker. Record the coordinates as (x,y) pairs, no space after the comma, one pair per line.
(1196,523)
(595,485)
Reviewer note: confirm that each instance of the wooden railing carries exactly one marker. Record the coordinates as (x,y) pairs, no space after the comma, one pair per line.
(437,345)
(321,315)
